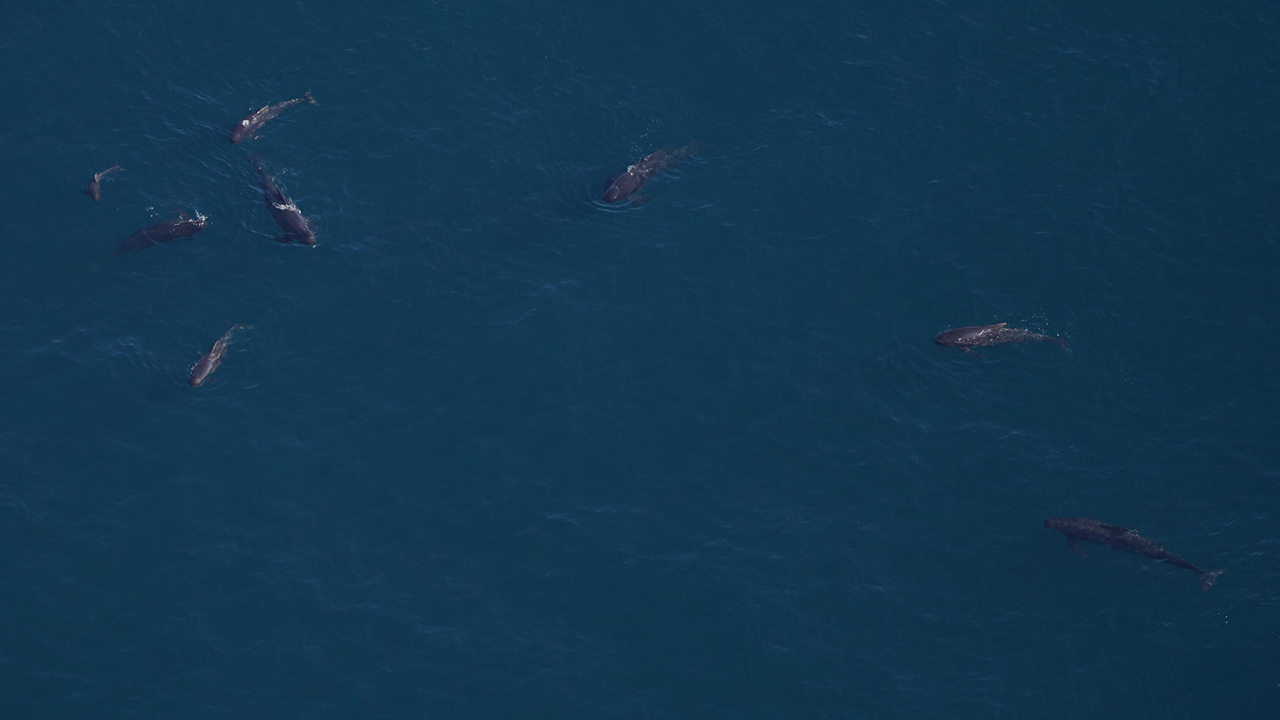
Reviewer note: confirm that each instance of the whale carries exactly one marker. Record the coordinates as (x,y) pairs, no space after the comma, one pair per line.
(94,188)
(162,232)
(638,174)
(283,210)
(251,124)
(210,361)
(967,338)
(1080,530)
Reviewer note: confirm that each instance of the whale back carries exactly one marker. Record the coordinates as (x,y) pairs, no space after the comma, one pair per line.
(967,336)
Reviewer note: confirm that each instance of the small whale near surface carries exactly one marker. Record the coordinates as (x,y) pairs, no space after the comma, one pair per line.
(637,175)
(94,188)
(251,124)
(1080,530)
(967,338)
(162,232)
(210,361)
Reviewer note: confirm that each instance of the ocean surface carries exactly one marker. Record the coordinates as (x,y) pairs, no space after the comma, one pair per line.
(494,448)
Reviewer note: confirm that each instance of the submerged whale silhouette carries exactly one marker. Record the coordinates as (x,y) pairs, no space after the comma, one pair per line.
(1080,530)
(162,232)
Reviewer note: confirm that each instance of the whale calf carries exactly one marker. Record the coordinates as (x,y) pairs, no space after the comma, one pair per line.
(210,361)
(248,126)
(967,338)
(1080,530)
(94,188)
(283,210)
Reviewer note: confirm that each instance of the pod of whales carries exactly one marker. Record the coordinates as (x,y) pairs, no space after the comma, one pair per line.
(624,186)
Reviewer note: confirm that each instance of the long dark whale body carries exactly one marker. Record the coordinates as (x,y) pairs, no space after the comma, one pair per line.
(283,210)
(94,188)
(205,366)
(637,175)
(248,126)
(163,231)
(1080,530)
(967,338)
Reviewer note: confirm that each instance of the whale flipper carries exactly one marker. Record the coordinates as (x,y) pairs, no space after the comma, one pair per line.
(1074,546)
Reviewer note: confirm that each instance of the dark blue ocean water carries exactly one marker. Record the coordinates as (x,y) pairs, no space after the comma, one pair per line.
(495,449)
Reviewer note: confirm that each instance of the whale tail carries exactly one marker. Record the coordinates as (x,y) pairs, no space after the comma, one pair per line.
(694,149)
(1054,339)
(253,160)
(310,99)
(1208,579)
